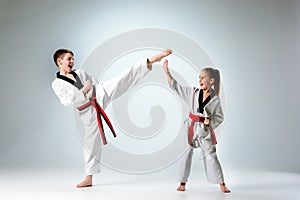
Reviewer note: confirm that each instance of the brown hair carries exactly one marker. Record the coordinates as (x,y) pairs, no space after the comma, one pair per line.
(215,74)
(60,53)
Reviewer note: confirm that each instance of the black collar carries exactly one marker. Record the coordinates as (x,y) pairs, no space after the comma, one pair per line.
(202,103)
(76,83)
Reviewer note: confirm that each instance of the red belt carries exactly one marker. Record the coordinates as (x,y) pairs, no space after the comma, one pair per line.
(100,112)
(196,118)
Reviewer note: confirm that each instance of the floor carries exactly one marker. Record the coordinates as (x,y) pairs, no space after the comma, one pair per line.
(59,184)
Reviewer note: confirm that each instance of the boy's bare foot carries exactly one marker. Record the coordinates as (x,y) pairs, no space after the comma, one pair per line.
(88,182)
(224,189)
(181,187)
(160,56)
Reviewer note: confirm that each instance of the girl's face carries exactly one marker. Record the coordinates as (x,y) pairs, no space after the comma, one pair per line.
(204,80)
(66,63)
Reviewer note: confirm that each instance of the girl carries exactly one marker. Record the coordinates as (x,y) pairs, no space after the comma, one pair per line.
(205,115)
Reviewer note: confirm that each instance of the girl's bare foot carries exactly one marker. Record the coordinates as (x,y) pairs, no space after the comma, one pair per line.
(224,189)
(181,187)
(88,182)
(160,56)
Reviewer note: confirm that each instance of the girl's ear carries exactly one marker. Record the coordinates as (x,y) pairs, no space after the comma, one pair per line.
(211,81)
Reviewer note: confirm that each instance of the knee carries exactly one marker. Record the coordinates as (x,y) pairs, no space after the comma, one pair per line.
(210,155)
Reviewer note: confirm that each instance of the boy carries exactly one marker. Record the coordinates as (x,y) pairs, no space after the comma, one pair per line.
(78,89)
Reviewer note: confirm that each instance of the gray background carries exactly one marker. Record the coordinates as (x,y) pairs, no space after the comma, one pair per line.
(255,42)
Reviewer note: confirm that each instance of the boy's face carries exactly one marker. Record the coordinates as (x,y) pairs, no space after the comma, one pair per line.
(66,63)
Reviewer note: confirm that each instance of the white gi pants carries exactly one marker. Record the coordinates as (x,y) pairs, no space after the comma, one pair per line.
(212,165)
(92,148)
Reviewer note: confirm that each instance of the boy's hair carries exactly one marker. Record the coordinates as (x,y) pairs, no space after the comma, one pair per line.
(60,53)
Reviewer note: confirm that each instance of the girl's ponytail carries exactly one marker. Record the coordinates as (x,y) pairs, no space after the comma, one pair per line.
(216,76)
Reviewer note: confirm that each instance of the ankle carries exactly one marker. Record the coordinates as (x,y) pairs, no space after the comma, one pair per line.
(89,177)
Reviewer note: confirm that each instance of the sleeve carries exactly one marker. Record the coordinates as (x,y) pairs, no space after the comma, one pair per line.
(183,91)
(216,117)
(73,98)
(88,77)
(115,87)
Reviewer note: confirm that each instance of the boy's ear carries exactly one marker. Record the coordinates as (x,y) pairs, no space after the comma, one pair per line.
(59,61)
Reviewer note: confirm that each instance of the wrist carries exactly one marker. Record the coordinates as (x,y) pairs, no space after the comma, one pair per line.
(84,90)
(149,64)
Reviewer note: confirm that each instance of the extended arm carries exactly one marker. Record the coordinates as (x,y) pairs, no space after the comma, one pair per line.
(184,92)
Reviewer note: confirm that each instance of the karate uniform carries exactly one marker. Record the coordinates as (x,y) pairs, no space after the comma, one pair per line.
(69,94)
(203,137)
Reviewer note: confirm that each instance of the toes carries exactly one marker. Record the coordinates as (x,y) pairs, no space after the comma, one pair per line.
(225,190)
(181,189)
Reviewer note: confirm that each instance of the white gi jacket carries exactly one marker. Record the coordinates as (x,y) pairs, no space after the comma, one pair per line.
(212,109)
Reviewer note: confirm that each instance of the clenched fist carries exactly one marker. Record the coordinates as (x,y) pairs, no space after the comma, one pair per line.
(87,86)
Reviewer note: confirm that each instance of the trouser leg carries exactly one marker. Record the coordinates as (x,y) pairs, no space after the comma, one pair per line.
(186,165)
(92,149)
(212,166)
